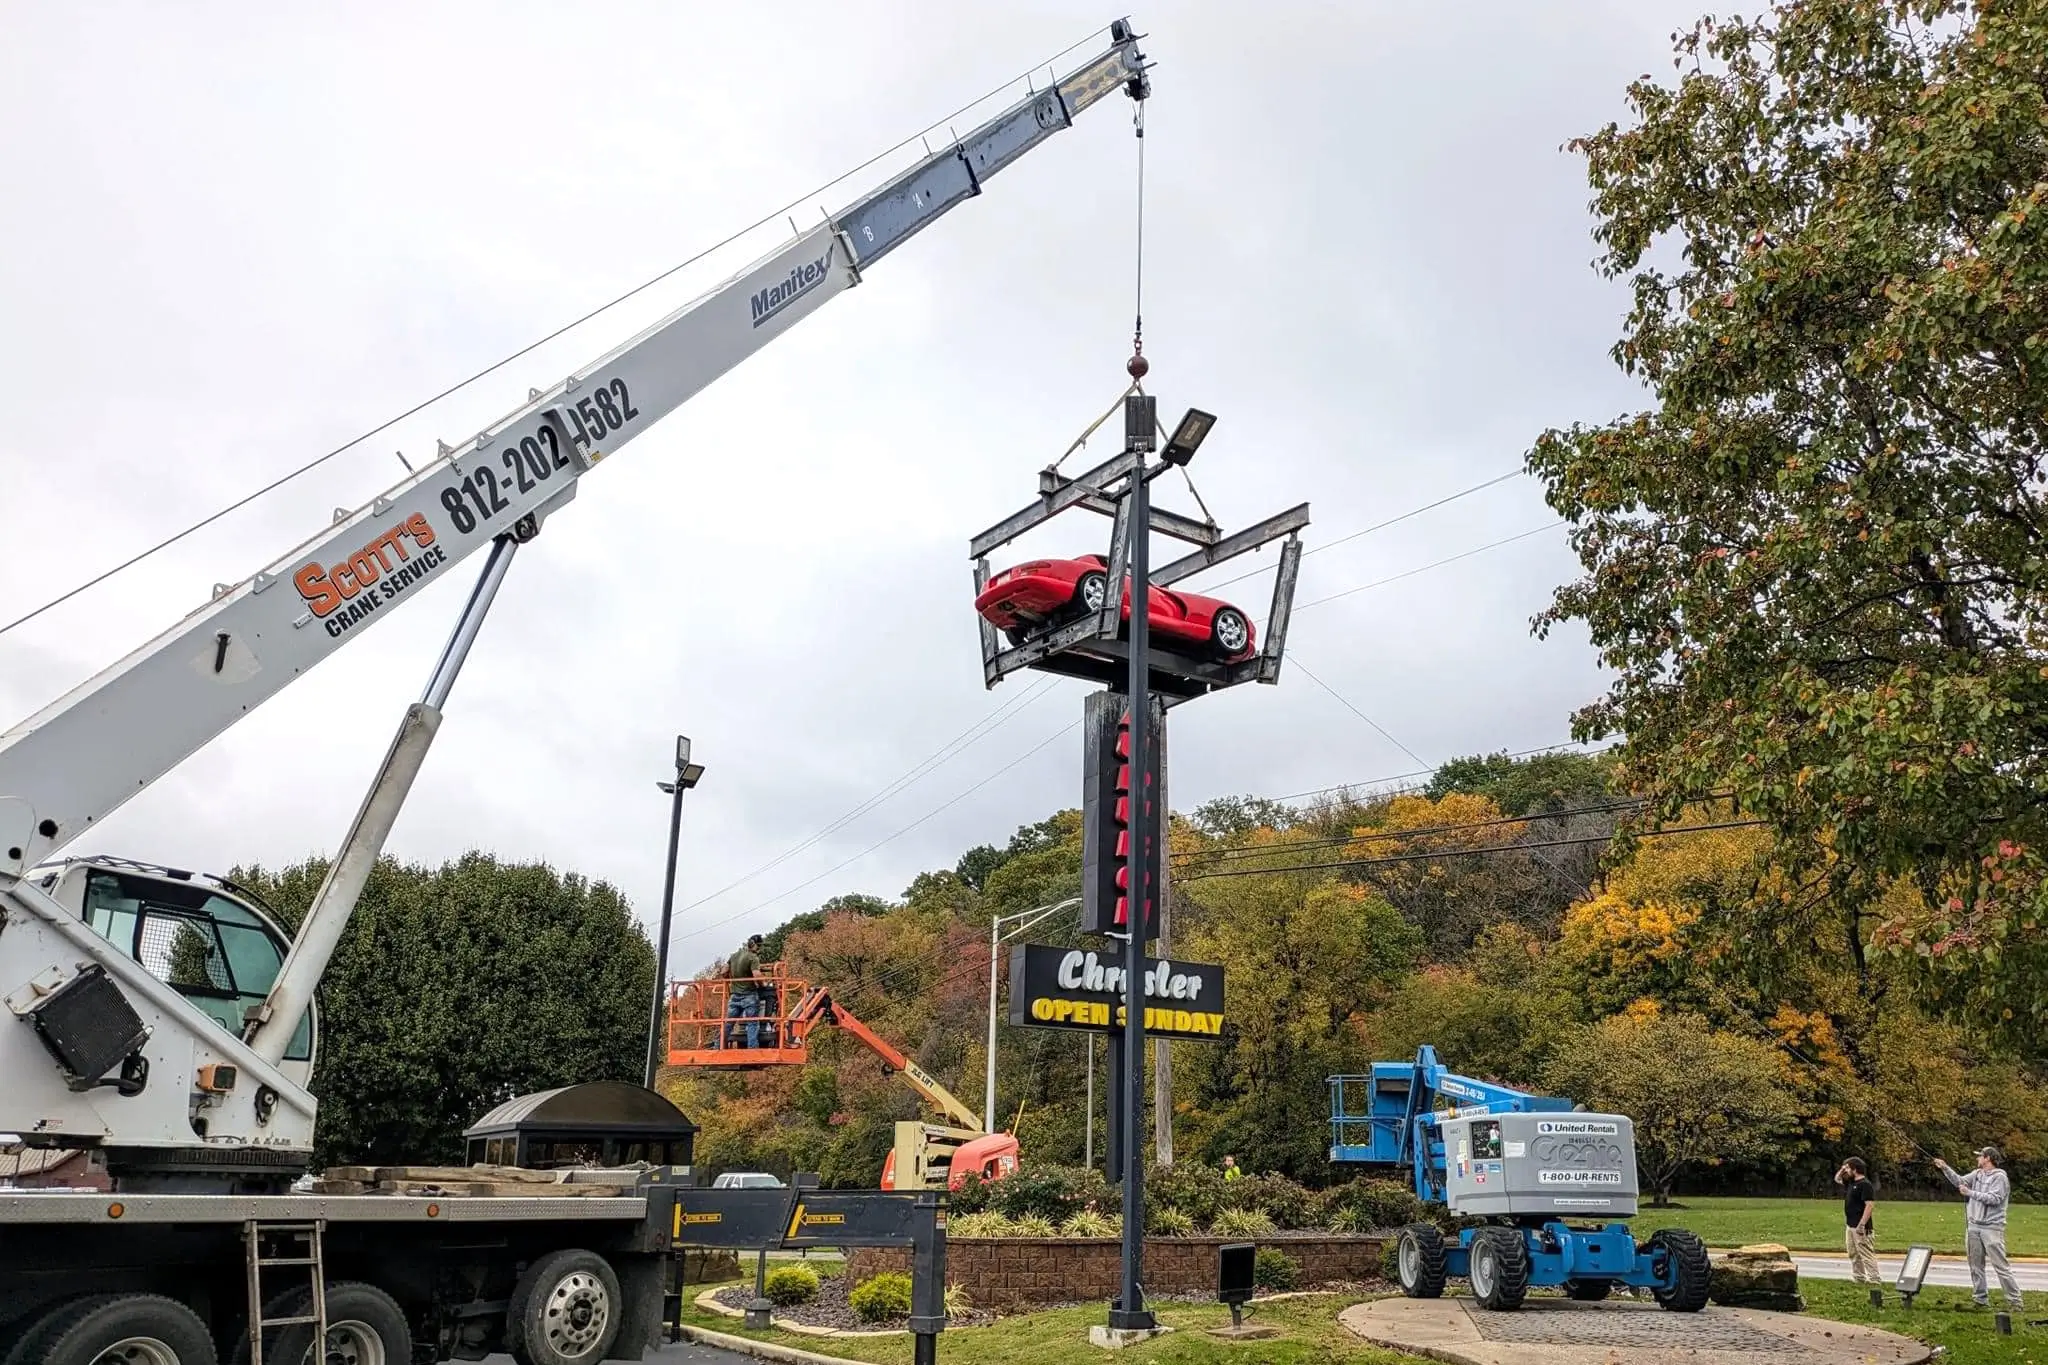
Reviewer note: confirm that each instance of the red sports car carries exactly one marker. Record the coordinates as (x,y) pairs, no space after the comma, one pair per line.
(1024,599)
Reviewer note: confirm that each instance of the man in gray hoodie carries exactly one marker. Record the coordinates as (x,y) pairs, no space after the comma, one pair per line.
(1987,1192)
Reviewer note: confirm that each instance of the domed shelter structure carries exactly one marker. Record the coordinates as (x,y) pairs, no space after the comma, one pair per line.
(597,1123)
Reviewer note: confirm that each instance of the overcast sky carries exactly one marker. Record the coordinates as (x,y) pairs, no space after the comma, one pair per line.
(239,235)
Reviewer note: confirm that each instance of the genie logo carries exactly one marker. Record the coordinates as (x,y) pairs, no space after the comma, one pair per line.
(1460,1089)
(802,279)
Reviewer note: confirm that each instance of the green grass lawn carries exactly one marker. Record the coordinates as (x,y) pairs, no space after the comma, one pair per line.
(1816,1224)
(1060,1337)
(1940,1317)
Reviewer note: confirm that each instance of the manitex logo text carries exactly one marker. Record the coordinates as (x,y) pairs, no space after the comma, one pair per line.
(803,278)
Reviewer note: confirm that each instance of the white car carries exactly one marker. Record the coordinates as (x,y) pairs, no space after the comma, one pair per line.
(746,1180)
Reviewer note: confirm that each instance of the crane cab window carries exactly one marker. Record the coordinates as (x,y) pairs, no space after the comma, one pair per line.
(211,948)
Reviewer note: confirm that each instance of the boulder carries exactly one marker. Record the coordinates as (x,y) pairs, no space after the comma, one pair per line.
(1759,1276)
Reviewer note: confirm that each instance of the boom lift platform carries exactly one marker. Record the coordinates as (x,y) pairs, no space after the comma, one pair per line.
(1090,644)
(701,1033)
(1522,1163)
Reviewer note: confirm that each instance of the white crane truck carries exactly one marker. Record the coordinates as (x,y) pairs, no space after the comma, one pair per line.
(164,1023)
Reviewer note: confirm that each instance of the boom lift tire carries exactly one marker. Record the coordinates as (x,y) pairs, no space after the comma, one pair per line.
(1500,1269)
(1419,1261)
(1688,1254)
(565,1310)
(1588,1291)
(365,1326)
(31,1340)
(147,1329)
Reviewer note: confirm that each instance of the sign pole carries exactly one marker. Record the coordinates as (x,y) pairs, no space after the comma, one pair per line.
(1129,1313)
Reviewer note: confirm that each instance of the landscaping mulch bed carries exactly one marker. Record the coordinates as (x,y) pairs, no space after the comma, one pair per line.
(831,1310)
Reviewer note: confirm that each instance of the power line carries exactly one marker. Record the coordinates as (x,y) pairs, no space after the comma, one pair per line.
(1424,832)
(1410,573)
(492,368)
(1346,704)
(1421,772)
(1462,852)
(879,843)
(943,755)
(1383,525)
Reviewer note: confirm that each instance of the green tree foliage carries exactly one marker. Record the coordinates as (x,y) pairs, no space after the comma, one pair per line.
(1816,564)
(1697,1096)
(456,988)
(1540,782)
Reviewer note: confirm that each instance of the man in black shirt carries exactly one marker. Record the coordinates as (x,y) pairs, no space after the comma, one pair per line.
(1859,1205)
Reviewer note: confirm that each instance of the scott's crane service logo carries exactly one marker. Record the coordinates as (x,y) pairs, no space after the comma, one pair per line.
(803,278)
(348,590)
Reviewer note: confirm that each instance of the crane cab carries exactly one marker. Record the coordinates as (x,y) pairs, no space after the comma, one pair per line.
(704,1030)
(208,939)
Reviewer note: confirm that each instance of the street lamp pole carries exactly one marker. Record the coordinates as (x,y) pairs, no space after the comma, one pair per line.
(687,775)
(996,938)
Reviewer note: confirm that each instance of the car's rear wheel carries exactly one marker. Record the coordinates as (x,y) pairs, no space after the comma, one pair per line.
(1230,632)
(1091,591)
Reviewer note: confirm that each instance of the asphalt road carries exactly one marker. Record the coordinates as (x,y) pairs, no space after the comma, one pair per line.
(2033,1276)
(690,1353)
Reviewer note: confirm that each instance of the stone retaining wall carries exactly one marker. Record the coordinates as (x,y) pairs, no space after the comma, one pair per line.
(1012,1272)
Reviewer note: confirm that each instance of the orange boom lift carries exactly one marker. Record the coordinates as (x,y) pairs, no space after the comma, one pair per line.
(702,1033)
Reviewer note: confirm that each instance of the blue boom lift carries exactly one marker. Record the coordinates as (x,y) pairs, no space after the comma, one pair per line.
(1524,1164)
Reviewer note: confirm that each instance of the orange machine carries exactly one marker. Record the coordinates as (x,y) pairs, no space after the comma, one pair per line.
(703,1032)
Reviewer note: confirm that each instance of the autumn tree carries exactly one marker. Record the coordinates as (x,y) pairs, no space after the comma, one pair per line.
(1696,1096)
(1816,562)
(456,988)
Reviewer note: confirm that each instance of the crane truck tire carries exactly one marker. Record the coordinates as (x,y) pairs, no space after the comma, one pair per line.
(32,1336)
(133,1329)
(1687,1255)
(365,1326)
(1419,1261)
(1500,1269)
(565,1310)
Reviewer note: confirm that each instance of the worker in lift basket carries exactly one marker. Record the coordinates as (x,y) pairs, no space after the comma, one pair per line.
(1987,1191)
(744,998)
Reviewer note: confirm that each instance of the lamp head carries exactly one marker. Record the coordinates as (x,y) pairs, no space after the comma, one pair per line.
(1188,437)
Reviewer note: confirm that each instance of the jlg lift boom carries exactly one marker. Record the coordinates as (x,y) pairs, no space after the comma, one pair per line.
(702,1032)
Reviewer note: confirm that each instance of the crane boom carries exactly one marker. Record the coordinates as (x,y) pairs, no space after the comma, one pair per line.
(227,1099)
(68,766)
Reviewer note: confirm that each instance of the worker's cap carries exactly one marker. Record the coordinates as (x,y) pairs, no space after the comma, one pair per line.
(1991,1152)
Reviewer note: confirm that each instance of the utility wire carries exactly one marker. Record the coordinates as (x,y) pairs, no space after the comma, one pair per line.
(1382,525)
(937,759)
(1345,702)
(879,843)
(1437,854)
(1420,772)
(492,368)
(1410,573)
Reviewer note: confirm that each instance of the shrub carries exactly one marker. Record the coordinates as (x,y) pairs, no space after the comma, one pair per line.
(1053,1192)
(1170,1223)
(1189,1186)
(885,1296)
(789,1285)
(1242,1223)
(958,1305)
(1286,1203)
(1031,1225)
(971,1197)
(1367,1206)
(1088,1223)
(988,1224)
(1390,1261)
(1274,1269)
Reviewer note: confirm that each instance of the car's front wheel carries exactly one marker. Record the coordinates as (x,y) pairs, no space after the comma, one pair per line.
(1091,591)
(1230,632)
